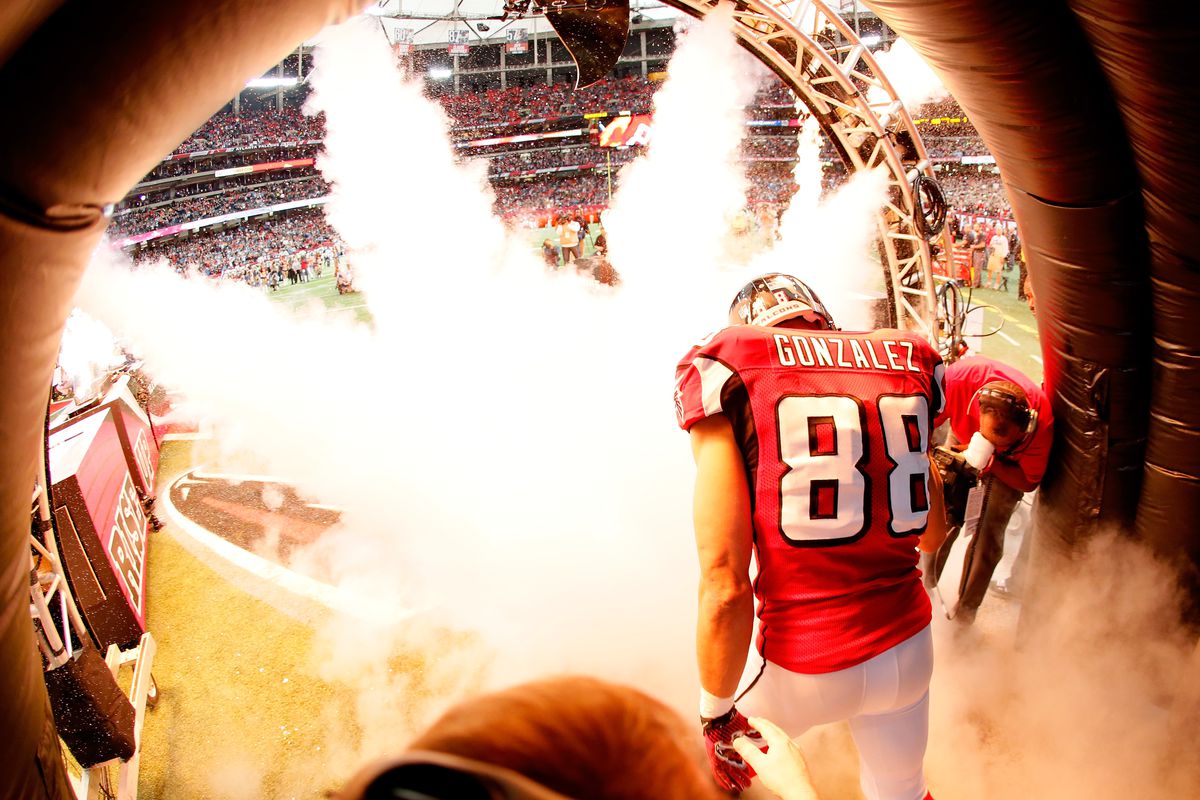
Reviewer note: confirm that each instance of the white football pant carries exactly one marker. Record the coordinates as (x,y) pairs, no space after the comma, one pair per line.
(885,699)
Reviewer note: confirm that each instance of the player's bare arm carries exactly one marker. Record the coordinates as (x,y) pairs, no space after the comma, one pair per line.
(935,527)
(724,543)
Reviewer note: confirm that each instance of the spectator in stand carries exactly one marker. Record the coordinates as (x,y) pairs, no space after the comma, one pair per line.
(549,254)
(978,246)
(600,243)
(568,239)
(997,258)
(220,201)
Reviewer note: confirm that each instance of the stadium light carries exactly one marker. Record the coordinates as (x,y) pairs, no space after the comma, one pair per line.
(440,73)
(272,83)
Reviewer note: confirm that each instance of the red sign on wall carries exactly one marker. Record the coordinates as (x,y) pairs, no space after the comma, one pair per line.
(133,430)
(626,131)
(101,527)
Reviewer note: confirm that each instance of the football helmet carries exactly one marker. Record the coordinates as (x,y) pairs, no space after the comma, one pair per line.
(774,298)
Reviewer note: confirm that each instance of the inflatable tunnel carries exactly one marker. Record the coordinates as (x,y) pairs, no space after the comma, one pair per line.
(1087,106)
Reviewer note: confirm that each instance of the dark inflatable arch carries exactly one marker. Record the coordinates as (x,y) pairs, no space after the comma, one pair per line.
(1087,105)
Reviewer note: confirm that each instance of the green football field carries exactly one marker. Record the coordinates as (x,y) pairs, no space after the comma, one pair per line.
(1013,331)
(1012,326)
(323,290)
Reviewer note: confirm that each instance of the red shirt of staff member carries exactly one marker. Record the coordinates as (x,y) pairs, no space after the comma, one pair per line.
(1001,408)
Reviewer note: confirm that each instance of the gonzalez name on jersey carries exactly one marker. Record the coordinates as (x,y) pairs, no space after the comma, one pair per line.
(835,443)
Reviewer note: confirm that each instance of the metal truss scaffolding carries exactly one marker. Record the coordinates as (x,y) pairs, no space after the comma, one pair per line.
(833,73)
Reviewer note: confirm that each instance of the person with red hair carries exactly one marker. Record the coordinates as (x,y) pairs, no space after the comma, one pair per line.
(567,737)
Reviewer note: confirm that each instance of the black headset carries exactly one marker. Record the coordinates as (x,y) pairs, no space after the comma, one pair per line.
(428,775)
(1017,407)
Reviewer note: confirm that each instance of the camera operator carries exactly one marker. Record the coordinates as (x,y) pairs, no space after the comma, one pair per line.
(1003,422)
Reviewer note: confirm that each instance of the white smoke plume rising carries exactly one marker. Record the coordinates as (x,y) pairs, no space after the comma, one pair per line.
(502,440)
(808,170)
(1089,703)
(828,242)
(87,352)
(830,247)
(670,218)
(405,212)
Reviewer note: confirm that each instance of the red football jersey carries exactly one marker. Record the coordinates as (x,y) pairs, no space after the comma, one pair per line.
(1023,470)
(834,428)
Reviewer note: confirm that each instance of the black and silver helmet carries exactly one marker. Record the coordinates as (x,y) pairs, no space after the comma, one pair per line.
(774,298)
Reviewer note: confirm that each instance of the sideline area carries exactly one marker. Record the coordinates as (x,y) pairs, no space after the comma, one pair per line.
(239,698)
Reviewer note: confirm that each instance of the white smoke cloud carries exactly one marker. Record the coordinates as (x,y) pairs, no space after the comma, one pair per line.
(670,219)
(1080,705)
(87,352)
(502,439)
(829,242)
(410,216)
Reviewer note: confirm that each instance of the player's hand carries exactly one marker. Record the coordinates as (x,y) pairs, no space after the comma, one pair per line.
(780,765)
(729,770)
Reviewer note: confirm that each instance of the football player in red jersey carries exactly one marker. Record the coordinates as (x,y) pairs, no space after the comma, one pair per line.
(811,448)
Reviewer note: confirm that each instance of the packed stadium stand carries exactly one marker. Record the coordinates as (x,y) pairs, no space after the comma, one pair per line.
(206,205)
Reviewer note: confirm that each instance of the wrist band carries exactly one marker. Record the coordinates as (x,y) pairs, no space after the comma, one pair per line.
(712,706)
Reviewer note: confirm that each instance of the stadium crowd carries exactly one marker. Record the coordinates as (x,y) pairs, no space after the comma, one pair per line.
(518,104)
(210,205)
(952,148)
(260,137)
(943,118)
(547,158)
(569,191)
(204,184)
(254,130)
(468,111)
(974,190)
(235,252)
(769,147)
(174,168)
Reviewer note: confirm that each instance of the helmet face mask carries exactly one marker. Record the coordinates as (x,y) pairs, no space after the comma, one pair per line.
(774,298)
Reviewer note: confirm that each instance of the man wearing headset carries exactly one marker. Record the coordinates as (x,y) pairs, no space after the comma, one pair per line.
(1004,421)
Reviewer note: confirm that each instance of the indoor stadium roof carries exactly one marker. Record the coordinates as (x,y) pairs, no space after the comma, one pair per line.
(430,20)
